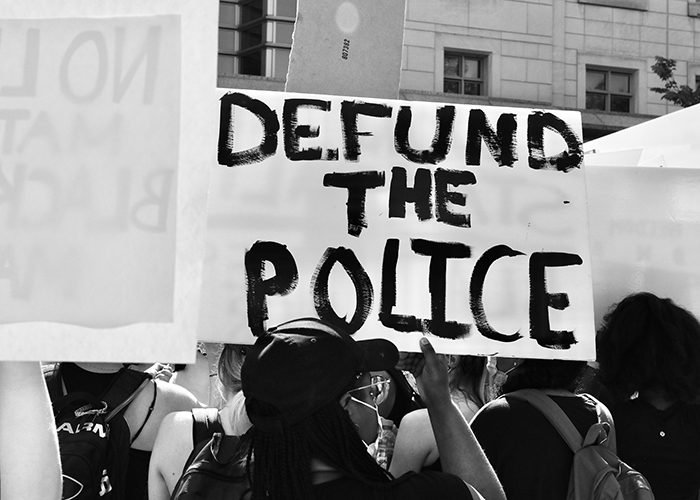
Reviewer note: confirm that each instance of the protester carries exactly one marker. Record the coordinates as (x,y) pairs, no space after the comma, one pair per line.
(143,415)
(30,467)
(649,355)
(309,396)
(415,446)
(529,455)
(175,438)
(199,377)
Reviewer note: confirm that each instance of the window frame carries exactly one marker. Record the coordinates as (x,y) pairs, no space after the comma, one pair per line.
(608,93)
(267,48)
(482,58)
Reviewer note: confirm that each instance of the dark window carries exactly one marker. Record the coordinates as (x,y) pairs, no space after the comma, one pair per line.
(609,90)
(464,74)
(255,36)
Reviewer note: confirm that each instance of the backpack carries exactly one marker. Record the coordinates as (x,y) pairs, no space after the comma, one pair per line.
(215,469)
(597,473)
(93,437)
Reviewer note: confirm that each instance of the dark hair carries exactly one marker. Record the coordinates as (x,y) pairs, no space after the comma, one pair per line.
(545,374)
(471,369)
(278,464)
(647,342)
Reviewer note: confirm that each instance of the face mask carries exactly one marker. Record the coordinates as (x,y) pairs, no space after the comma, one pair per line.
(495,379)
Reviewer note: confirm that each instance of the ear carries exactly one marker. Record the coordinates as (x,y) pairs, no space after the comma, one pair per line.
(345,401)
(452,361)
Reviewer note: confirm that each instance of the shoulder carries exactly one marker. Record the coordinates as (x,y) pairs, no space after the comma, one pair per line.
(417,419)
(174,433)
(174,397)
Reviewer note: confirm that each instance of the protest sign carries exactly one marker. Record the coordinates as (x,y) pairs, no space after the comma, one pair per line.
(396,219)
(102,201)
(644,229)
(347,48)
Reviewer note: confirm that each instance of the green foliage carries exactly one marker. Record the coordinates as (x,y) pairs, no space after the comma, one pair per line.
(681,95)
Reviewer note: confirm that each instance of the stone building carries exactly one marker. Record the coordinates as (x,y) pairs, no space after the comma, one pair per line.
(591,55)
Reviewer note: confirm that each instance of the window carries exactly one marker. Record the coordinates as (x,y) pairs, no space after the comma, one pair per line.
(255,36)
(464,74)
(609,90)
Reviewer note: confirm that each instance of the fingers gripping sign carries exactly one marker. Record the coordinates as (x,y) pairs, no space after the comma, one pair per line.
(431,375)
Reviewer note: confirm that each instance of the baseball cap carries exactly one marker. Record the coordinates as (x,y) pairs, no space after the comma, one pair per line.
(300,366)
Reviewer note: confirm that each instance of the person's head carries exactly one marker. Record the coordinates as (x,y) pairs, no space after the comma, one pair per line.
(309,394)
(466,375)
(229,368)
(543,374)
(650,343)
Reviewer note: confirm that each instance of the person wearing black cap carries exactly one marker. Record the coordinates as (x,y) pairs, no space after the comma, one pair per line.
(312,403)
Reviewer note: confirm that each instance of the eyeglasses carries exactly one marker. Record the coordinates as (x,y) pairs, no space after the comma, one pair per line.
(378,389)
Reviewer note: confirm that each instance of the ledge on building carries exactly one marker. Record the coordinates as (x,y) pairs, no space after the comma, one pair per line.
(249,82)
(621,4)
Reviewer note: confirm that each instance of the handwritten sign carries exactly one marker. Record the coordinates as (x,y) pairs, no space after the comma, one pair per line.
(93,263)
(396,219)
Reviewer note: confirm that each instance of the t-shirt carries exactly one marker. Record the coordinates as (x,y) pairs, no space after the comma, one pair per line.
(529,455)
(664,445)
(410,486)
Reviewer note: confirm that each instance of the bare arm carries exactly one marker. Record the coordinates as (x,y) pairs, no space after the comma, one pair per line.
(170,451)
(415,444)
(460,452)
(30,466)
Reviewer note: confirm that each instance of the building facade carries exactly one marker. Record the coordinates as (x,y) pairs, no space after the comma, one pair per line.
(590,55)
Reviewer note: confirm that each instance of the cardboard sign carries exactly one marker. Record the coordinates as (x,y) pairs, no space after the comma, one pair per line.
(397,219)
(347,48)
(99,261)
(644,229)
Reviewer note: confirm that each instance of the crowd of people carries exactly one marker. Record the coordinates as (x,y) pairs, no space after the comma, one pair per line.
(320,415)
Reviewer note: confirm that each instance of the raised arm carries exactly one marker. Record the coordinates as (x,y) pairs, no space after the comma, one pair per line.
(30,466)
(460,452)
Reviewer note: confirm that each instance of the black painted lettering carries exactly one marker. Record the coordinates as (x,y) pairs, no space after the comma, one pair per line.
(387,302)
(541,300)
(501,143)
(441,142)
(476,292)
(444,197)
(570,158)
(349,112)
(364,293)
(357,184)
(419,194)
(258,288)
(270,123)
(293,131)
(439,252)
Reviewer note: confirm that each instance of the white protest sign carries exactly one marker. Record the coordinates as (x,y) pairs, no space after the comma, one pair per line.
(644,230)
(672,139)
(347,47)
(101,209)
(394,219)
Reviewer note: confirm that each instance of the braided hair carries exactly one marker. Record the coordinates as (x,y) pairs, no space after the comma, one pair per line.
(281,468)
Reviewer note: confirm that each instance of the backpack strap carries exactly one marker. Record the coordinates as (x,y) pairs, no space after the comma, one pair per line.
(554,414)
(122,391)
(205,423)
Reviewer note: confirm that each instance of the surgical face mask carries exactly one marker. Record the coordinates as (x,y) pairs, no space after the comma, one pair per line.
(378,390)
(497,377)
